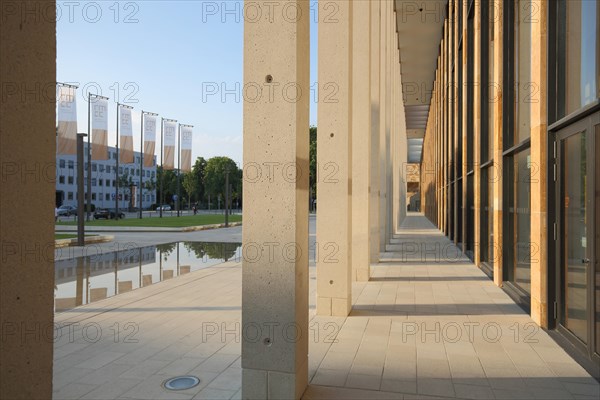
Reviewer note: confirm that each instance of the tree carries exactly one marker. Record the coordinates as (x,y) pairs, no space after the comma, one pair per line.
(190,184)
(126,183)
(168,179)
(313,160)
(214,177)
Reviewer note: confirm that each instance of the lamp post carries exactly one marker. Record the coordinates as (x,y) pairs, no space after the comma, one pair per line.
(80,191)
(227,171)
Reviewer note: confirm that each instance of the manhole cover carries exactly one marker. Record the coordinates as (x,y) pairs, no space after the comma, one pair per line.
(181,382)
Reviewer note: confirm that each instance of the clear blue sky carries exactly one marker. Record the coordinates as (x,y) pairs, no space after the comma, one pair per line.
(161,64)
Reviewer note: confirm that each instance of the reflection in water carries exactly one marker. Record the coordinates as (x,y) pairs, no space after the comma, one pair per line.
(87,279)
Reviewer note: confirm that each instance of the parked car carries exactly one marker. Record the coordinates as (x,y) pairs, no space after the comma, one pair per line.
(107,213)
(66,211)
(166,207)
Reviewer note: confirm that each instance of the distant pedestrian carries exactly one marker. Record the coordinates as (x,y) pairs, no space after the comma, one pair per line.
(55,214)
(195,208)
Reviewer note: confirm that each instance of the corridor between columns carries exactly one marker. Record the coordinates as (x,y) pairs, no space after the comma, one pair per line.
(430,323)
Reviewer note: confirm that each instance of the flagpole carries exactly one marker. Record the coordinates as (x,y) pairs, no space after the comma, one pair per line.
(178,167)
(89,160)
(141,160)
(119,105)
(179,163)
(89,153)
(117,167)
(162,175)
(142,156)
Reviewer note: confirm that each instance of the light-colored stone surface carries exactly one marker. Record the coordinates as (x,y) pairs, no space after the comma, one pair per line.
(334,158)
(424,325)
(276,234)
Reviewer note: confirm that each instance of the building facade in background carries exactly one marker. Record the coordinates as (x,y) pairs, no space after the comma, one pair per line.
(104,181)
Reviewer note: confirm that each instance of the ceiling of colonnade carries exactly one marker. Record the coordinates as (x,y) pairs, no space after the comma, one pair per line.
(420,28)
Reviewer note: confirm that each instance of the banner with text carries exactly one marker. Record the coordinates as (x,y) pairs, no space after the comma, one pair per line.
(126,136)
(186,148)
(149,139)
(99,129)
(67,121)
(170,131)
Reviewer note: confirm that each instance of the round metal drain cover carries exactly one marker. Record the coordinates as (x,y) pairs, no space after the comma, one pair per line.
(181,382)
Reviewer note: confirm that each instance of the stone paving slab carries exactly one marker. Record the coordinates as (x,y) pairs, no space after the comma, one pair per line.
(418,329)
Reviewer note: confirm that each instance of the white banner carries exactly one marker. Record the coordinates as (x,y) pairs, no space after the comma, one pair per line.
(67,121)
(126,136)
(169,137)
(99,115)
(186,148)
(149,139)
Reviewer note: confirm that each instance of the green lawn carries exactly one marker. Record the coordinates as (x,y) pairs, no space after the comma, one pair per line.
(166,222)
(58,236)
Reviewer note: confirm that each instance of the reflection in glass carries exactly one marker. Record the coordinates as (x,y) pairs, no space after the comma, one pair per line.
(575,236)
(84,280)
(487,217)
(526,91)
(520,219)
(580,37)
(597,238)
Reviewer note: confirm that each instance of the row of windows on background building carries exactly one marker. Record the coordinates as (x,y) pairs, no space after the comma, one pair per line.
(106,168)
(111,155)
(110,197)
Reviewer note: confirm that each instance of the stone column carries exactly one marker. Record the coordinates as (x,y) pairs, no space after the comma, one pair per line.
(28,154)
(497,96)
(375,123)
(384,123)
(539,158)
(334,217)
(477,133)
(361,140)
(275,235)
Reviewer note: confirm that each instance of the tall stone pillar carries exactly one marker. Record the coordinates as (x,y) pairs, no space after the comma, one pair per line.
(497,97)
(539,158)
(334,216)
(275,235)
(361,140)
(384,122)
(375,123)
(28,154)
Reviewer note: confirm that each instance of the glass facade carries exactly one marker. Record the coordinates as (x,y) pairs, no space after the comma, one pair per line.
(579,63)
(519,220)
(526,91)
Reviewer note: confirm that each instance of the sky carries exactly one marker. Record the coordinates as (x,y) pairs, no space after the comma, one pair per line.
(166,57)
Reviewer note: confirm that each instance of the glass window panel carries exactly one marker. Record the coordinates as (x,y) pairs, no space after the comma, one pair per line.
(597,238)
(520,219)
(487,220)
(575,235)
(526,91)
(581,41)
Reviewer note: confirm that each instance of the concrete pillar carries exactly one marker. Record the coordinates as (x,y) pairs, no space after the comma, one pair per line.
(361,140)
(498,146)
(375,128)
(275,235)
(539,158)
(383,121)
(477,132)
(28,154)
(334,215)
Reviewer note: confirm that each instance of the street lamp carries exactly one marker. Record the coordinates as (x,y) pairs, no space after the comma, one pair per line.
(80,190)
(227,171)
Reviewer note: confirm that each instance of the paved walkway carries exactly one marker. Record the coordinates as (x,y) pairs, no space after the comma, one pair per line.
(428,325)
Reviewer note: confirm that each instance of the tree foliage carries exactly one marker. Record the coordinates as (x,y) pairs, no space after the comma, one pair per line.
(214,178)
